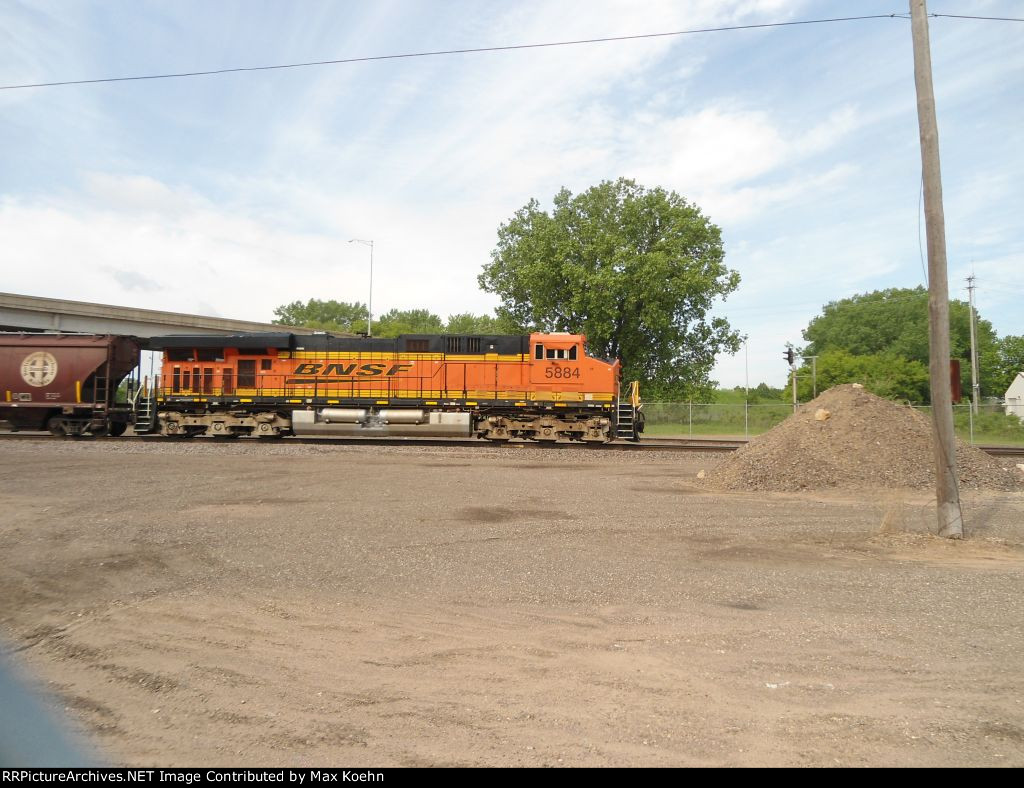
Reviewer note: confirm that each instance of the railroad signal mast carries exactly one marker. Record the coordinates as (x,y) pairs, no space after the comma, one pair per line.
(790,357)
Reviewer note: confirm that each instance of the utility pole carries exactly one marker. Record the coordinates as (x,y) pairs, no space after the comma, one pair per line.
(947,493)
(975,388)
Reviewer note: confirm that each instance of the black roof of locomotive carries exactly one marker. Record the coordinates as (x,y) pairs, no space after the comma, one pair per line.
(240,341)
(434,343)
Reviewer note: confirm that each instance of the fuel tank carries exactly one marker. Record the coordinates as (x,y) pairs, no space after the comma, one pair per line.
(398,422)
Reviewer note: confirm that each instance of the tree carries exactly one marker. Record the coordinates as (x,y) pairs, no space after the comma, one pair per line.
(885,374)
(339,316)
(636,270)
(467,323)
(345,318)
(1006,360)
(895,322)
(407,321)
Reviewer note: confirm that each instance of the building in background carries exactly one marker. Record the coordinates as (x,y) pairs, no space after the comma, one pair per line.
(1015,397)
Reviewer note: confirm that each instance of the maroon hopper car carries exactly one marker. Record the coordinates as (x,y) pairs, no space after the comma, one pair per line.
(66,383)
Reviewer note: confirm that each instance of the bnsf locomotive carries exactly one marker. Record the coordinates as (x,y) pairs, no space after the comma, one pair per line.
(541,387)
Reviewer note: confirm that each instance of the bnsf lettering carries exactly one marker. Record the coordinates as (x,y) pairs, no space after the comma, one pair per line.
(365,371)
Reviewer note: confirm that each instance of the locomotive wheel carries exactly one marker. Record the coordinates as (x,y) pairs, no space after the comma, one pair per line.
(56,426)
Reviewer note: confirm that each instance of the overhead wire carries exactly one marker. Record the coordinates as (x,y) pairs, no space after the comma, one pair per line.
(441,52)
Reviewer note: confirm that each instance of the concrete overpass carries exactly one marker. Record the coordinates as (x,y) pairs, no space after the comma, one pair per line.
(31,313)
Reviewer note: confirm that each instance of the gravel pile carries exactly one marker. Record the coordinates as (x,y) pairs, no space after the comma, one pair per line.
(849,438)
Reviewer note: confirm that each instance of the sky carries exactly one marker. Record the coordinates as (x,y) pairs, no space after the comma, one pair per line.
(231,195)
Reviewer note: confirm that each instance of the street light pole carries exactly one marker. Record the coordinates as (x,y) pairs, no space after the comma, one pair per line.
(369,302)
(746,388)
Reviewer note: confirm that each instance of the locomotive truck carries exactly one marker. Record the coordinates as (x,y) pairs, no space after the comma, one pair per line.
(541,387)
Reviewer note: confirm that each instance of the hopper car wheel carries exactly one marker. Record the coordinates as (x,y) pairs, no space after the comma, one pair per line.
(56,426)
(117,429)
(100,432)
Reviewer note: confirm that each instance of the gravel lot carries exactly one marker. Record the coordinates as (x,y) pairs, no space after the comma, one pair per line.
(239,604)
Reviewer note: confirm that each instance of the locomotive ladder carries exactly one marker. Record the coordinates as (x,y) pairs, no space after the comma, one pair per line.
(624,425)
(626,414)
(145,408)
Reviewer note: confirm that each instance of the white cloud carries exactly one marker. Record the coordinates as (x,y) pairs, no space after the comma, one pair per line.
(238,195)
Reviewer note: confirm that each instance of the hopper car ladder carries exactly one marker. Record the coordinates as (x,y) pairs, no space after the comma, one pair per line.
(101,392)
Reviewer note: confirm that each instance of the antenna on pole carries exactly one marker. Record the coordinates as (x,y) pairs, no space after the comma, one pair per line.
(947,493)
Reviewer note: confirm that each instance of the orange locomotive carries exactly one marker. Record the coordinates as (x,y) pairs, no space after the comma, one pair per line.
(540,387)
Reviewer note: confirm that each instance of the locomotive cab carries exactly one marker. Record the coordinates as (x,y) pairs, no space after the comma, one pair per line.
(555,358)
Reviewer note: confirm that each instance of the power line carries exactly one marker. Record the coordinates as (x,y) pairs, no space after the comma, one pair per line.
(478,50)
(437,53)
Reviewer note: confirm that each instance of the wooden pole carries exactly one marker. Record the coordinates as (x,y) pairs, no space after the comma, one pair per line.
(946,489)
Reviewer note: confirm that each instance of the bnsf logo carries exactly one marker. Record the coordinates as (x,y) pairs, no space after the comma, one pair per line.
(365,371)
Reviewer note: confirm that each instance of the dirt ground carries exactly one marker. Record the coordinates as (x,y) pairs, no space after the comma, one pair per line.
(228,604)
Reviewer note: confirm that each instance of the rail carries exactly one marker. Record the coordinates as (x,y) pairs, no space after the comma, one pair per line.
(648,444)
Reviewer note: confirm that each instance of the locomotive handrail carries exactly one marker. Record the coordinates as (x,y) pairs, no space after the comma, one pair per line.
(634,394)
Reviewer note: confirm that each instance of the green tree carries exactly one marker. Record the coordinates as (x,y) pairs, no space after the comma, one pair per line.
(767,393)
(339,316)
(407,321)
(885,374)
(895,322)
(468,323)
(1006,360)
(636,270)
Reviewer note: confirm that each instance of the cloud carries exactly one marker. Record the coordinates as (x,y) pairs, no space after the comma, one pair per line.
(133,280)
(236,195)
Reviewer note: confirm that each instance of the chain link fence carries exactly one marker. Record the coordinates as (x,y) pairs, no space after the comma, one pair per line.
(990,425)
(701,419)
(712,419)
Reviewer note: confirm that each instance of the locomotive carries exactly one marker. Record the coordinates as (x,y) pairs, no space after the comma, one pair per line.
(542,387)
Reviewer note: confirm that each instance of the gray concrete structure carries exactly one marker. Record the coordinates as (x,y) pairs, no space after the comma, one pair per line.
(31,313)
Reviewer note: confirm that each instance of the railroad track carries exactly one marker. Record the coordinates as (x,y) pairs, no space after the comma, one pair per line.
(656,444)
(648,444)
